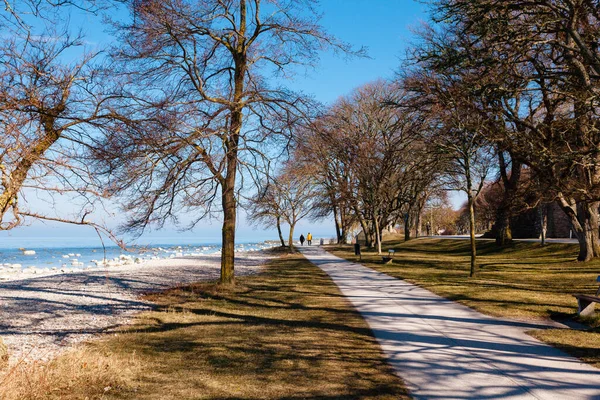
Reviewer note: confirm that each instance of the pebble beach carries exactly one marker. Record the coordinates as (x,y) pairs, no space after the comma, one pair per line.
(47,311)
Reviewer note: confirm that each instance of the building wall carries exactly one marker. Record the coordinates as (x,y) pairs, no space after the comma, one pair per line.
(559,225)
(527,225)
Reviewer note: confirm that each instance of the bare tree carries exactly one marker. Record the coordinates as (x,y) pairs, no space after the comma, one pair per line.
(370,160)
(545,66)
(24,15)
(323,149)
(297,190)
(48,109)
(458,134)
(199,76)
(264,208)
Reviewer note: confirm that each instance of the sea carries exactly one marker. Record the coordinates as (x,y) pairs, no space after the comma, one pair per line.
(63,254)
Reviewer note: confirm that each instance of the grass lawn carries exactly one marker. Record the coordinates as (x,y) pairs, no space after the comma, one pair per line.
(285,334)
(525,281)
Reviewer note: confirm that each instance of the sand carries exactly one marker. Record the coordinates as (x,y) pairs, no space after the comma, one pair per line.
(41,316)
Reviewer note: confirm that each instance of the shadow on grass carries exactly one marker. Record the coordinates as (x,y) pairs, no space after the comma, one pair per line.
(284,334)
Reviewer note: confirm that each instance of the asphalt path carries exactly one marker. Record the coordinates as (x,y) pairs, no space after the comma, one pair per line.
(444,350)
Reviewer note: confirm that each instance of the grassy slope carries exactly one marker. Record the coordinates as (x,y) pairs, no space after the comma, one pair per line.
(525,280)
(284,334)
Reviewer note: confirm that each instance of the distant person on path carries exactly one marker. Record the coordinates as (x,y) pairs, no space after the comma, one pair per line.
(309,238)
(302,240)
(428,228)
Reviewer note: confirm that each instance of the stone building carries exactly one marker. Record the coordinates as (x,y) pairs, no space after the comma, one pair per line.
(528,225)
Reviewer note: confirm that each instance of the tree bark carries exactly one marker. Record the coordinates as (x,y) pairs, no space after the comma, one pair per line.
(418,220)
(377,234)
(363,225)
(291,237)
(34,153)
(418,224)
(503,232)
(585,223)
(279,232)
(510,185)
(344,226)
(337,224)
(407,226)
(543,214)
(231,144)
(472,235)
(229,217)
(589,247)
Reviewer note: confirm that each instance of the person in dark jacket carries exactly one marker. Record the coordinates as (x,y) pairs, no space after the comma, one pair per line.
(301,240)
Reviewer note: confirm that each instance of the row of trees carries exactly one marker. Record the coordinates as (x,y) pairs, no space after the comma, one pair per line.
(186,108)
(528,73)
(504,90)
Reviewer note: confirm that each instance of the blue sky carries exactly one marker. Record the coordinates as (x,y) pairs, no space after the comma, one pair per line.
(382,26)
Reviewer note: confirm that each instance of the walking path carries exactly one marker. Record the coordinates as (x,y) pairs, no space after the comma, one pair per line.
(444,350)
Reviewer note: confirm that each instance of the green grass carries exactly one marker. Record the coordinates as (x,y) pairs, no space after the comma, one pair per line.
(523,281)
(285,334)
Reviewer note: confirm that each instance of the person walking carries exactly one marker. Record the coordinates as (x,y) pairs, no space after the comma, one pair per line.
(302,239)
(309,238)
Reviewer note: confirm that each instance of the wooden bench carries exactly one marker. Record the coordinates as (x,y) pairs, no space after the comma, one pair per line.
(587,303)
(388,259)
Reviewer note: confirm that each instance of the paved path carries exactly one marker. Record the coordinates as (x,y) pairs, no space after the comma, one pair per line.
(444,350)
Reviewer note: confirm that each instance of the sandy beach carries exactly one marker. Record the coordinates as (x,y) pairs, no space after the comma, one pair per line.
(41,315)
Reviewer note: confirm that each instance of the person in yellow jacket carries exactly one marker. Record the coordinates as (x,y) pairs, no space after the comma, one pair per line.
(309,238)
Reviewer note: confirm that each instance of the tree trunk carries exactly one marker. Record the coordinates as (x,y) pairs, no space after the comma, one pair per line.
(372,238)
(584,220)
(377,234)
(420,203)
(279,232)
(543,214)
(589,247)
(505,208)
(231,143)
(503,232)
(229,217)
(363,225)
(344,226)
(472,235)
(337,224)
(407,227)
(34,152)
(291,237)
(418,224)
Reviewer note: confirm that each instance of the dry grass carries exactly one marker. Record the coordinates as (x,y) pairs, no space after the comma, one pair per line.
(78,374)
(525,281)
(284,334)
(582,344)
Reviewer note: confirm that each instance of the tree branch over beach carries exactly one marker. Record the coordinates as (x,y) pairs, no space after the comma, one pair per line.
(48,111)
